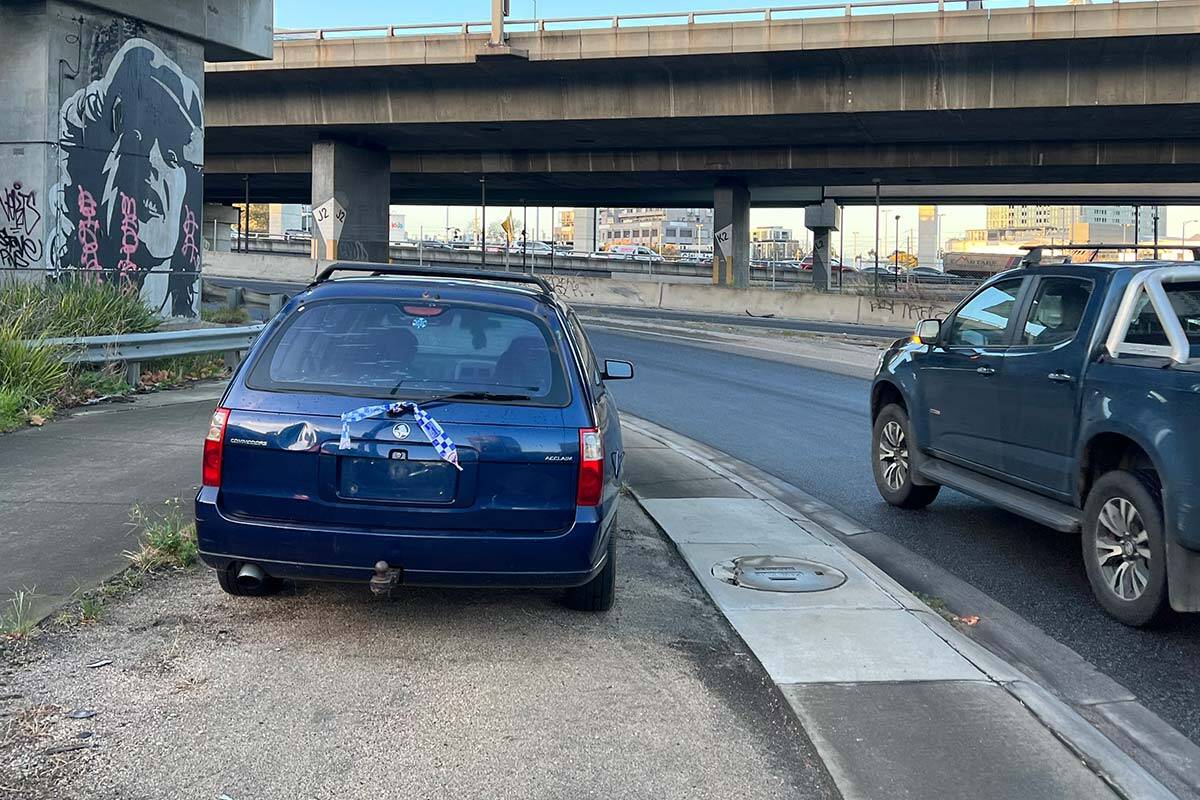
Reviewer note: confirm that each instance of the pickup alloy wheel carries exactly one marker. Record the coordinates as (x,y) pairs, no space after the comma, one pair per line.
(1123,547)
(893,455)
(891,459)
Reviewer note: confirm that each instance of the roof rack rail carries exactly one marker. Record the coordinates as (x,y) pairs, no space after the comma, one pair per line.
(1034,256)
(431,272)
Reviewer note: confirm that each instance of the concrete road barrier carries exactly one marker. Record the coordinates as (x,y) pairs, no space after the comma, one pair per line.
(888,310)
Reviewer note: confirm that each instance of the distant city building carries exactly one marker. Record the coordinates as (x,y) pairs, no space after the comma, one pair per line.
(773,243)
(678,229)
(928,246)
(285,219)
(1060,224)
(1039,218)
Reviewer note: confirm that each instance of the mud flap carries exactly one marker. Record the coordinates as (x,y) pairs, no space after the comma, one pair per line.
(1183,576)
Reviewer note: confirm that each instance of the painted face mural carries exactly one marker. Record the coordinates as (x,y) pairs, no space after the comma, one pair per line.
(129,193)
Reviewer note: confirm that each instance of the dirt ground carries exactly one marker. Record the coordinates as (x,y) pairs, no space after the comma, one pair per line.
(327,692)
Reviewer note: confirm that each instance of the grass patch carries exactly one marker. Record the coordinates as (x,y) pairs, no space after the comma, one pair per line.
(167,539)
(32,375)
(12,411)
(34,381)
(167,373)
(106,382)
(18,621)
(225,316)
(77,306)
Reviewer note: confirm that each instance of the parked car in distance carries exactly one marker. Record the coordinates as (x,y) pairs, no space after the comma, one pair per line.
(927,275)
(532,248)
(402,426)
(634,252)
(806,264)
(1065,394)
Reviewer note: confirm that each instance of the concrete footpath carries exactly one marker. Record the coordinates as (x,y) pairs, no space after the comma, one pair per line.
(67,489)
(898,702)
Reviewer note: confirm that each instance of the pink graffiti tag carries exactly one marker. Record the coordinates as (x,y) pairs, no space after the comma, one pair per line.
(88,230)
(190,226)
(129,235)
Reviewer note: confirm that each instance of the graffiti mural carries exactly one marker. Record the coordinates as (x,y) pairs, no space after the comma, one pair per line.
(20,244)
(128,199)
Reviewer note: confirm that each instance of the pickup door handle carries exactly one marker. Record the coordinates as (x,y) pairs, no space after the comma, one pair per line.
(1060,377)
(986,370)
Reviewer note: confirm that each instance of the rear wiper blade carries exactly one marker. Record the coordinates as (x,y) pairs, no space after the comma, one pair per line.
(497,396)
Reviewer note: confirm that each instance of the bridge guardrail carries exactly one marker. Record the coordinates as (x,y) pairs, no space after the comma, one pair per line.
(759,14)
(134,348)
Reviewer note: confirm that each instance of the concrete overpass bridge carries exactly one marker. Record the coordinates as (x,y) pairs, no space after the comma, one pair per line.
(781,108)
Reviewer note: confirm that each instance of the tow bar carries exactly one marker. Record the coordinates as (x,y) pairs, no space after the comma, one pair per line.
(385,579)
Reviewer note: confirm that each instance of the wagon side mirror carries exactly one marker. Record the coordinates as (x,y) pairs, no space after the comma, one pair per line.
(615,370)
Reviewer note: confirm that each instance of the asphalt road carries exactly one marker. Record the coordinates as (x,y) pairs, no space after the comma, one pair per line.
(810,428)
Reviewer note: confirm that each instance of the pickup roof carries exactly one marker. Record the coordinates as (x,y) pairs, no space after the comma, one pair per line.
(1068,394)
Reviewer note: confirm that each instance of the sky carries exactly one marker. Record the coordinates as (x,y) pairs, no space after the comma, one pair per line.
(857,222)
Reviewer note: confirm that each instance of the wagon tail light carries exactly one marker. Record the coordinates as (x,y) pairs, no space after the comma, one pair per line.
(591,468)
(213,445)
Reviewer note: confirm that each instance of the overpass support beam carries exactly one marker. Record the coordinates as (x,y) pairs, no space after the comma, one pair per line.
(731,236)
(822,220)
(351,189)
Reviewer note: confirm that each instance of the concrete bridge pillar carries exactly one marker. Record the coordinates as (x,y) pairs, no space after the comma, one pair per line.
(731,236)
(822,220)
(351,190)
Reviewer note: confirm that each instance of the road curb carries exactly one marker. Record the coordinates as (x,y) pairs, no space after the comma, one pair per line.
(1116,767)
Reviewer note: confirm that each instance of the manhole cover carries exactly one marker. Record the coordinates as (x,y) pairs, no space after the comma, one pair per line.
(779,574)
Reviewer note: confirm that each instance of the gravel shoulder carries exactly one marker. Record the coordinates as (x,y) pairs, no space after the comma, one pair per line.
(327,692)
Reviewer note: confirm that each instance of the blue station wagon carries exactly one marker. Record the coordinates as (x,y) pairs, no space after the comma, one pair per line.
(402,426)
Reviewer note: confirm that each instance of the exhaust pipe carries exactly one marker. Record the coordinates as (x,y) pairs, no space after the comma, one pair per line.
(250,576)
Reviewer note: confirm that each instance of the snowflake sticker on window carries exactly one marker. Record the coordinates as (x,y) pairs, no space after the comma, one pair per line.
(420,322)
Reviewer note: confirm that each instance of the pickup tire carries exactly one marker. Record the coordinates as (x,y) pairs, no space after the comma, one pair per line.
(1123,547)
(891,464)
(598,593)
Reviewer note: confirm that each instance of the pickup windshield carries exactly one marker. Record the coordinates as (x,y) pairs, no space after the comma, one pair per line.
(1185,301)
(401,350)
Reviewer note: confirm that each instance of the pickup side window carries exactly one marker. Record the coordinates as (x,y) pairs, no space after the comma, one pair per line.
(1146,327)
(1056,311)
(983,321)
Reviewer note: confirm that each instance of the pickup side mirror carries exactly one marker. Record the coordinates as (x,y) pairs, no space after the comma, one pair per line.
(615,370)
(927,331)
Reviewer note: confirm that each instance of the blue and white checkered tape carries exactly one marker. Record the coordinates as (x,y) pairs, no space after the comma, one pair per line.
(433,431)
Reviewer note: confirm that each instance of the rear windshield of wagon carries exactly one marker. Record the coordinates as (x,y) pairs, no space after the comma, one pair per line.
(398,349)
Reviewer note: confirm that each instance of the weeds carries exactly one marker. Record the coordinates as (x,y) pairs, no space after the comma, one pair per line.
(33,378)
(90,608)
(106,382)
(12,411)
(166,373)
(18,619)
(225,316)
(30,370)
(167,539)
(80,306)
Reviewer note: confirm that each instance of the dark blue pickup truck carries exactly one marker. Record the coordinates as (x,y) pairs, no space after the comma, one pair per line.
(1068,394)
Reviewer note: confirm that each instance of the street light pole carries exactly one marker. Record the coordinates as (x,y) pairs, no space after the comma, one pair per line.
(876,236)
(896,277)
(483,222)
(1183,234)
(499,11)
(1155,233)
